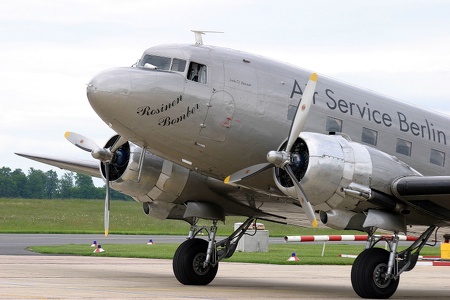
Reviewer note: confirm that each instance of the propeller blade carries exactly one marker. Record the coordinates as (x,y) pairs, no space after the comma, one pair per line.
(107,200)
(307,207)
(247,172)
(81,142)
(89,145)
(102,154)
(120,141)
(302,111)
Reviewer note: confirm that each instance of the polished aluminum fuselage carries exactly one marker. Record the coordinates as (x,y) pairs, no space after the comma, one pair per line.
(245,110)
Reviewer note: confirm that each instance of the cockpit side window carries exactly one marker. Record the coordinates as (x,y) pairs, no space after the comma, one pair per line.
(197,72)
(155,62)
(178,65)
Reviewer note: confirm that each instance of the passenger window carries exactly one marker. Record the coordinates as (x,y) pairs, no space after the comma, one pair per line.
(197,72)
(333,125)
(437,157)
(369,136)
(178,65)
(403,147)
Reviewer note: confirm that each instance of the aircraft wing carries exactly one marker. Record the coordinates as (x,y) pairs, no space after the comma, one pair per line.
(429,193)
(87,167)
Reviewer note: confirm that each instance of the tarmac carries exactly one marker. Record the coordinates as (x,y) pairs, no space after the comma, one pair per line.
(69,277)
(76,277)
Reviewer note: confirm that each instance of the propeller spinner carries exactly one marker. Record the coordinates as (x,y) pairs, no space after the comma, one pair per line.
(105,155)
(282,159)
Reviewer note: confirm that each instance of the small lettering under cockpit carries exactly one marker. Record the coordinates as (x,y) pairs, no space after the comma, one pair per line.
(150,111)
(238,81)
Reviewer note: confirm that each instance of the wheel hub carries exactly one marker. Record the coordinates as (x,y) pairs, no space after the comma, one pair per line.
(198,265)
(379,276)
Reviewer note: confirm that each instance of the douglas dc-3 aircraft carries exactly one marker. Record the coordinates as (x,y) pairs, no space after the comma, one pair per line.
(188,116)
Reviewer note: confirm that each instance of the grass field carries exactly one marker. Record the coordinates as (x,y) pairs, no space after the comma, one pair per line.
(80,216)
(127,217)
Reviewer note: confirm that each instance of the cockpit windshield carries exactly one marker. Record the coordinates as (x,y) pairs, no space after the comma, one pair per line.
(155,62)
(162,63)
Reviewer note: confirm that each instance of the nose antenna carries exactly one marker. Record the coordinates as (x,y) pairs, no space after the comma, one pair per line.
(198,35)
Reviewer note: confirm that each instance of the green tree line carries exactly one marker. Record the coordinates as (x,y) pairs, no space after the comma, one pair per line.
(37,184)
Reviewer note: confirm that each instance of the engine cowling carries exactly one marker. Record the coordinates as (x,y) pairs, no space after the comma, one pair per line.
(145,177)
(337,173)
(159,184)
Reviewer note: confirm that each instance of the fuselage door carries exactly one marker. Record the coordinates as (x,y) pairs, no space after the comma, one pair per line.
(219,116)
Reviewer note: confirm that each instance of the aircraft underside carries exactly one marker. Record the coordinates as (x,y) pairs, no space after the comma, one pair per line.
(375,273)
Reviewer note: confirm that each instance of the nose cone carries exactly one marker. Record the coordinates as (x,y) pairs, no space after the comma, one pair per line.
(108,92)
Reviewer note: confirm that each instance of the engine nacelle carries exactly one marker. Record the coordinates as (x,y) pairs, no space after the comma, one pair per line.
(145,177)
(338,174)
(158,183)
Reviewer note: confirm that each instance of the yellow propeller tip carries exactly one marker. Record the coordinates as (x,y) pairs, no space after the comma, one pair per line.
(66,135)
(227,180)
(106,233)
(314,223)
(313,77)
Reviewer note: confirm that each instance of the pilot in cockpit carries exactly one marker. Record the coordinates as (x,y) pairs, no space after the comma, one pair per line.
(193,72)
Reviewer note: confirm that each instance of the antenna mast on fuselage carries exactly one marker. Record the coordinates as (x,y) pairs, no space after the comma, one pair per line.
(198,35)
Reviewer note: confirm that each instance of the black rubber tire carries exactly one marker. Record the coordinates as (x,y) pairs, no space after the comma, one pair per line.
(366,279)
(188,263)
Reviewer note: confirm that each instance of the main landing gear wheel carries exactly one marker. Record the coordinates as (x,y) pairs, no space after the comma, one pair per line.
(188,263)
(368,275)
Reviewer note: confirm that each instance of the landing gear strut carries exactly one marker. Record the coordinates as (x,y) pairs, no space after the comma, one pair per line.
(196,261)
(376,272)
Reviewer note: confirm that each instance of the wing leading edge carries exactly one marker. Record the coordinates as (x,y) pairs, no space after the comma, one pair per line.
(87,167)
(429,193)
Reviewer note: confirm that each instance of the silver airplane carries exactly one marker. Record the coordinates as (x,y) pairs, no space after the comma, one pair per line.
(206,132)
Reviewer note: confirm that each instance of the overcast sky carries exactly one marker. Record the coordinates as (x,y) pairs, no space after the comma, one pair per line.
(50,49)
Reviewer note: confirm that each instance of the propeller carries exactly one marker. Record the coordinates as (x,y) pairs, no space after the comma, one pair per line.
(107,200)
(104,155)
(282,159)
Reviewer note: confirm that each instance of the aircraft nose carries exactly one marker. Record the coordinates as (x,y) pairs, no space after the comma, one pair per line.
(108,91)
